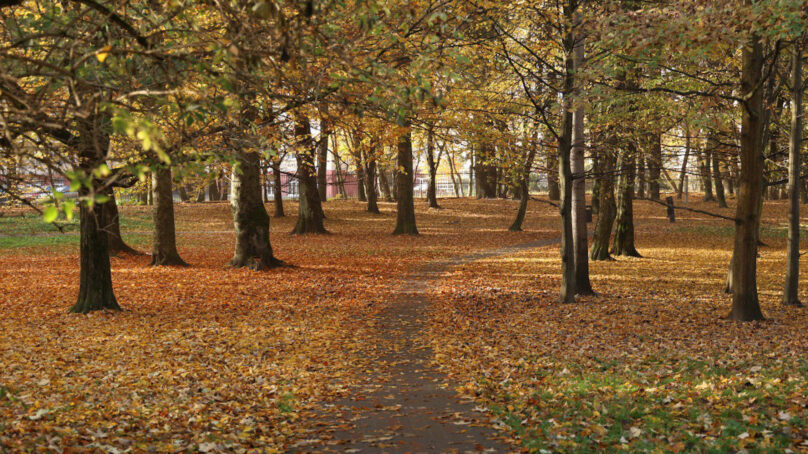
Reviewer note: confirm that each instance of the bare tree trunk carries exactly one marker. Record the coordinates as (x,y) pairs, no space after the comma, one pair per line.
(567,294)
(705,160)
(338,168)
(640,176)
(370,185)
(681,189)
(745,304)
(524,189)
(578,173)
(405,210)
(250,219)
(553,190)
(607,209)
(718,178)
(310,210)
(322,159)
(385,185)
(112,225)
(95,275)
(791,289)
(432,189)
(164,242)
(624,231)
(277,184)
(654,166)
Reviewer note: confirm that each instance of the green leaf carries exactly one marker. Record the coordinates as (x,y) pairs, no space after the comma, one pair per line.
(50,214)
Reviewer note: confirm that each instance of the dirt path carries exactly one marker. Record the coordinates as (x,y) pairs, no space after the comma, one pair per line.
(408,407)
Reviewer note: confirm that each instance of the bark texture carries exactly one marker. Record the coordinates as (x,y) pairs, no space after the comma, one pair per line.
(791,289)
(164,241)
(250,219)
(310,210)
(405,209)
(745,304)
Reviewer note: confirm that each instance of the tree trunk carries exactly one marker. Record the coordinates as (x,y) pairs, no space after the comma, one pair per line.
(112,225)
(405,210)
(385,185)
(338,169)
(578,204)
(322,159)
(718,178)
(164,243)
(310,210)
(370,185)
(360,180)
(524,189)
(568,287)
(277,187)
(640,177)
(213,190)
(654,166)
(607,209)
(705,161)
(553,190)
(432,189)
(250,219)
(486,172)
(745,304)
(95,288)
(791,290)
(624,230)
(95,275)
(183,190)
(682,175)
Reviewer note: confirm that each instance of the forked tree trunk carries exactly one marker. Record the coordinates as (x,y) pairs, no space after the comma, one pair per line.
(405,209)
(310,210)
(112,225)
(524,188)
(250,219)
(745,304)
(791,289)
(607,209)
(432,189)
(95,287)
(164,242)
(277,193)
(624,230)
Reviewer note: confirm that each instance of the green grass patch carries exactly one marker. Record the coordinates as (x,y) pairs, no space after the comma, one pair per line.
(690,406)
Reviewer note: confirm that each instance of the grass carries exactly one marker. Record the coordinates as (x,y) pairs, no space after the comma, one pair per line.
(696,407)
(28,230)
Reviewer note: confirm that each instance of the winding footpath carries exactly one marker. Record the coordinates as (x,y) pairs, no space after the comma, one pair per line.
(408,407)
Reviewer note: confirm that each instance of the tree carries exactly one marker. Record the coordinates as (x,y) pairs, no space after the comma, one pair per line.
(164,243)
(310,211)
(405,209)
(791,288)
(745,305)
